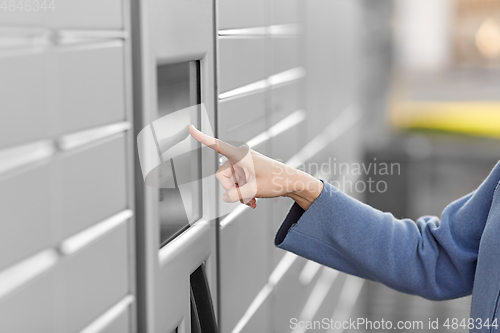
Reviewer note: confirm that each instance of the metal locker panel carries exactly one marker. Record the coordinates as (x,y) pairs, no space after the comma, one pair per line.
(333,73)
(285,145)
(30,308)
(93,279)
(286,53)
(243,118)
(89,14)
(90,83)
(120,325)
(242,14)
(241,62)
(243,264)
(180,30)
(13,16)
(92,184)
(25,113)
(178,260)
(284,101)
(24,231)
(284,11)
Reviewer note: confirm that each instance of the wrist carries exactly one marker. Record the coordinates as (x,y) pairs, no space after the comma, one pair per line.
(305,190)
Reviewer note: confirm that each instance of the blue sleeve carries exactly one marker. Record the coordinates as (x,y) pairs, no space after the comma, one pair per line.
(430,257)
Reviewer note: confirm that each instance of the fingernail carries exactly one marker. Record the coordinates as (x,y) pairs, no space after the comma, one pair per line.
(225,197)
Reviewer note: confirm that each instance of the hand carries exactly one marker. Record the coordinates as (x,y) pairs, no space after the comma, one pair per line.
(259,176)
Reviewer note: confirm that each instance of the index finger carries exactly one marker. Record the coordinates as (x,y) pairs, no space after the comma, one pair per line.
(231,152)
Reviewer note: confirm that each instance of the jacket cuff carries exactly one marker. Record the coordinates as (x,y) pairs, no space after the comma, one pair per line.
(294,216)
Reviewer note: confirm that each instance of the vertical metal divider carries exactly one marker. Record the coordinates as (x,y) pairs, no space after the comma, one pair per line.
(268,147)
(131,169)
(216,134)
(143,266)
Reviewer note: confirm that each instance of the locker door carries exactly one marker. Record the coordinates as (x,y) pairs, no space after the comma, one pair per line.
(177,239)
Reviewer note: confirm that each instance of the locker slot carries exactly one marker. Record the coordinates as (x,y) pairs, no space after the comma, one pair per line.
(180,200)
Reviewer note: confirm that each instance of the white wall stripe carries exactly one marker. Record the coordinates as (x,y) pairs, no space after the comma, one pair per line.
(340,125)
(26,270)
(245,90)
(317,296)
(309,272)
(19,156)
(244,32)
(77,139)
(347,301)
(283,30)
(109,316)
(82,239)
(286,77)
(274,81)
(279,271)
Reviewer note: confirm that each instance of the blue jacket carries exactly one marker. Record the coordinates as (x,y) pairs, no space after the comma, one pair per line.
(436,259)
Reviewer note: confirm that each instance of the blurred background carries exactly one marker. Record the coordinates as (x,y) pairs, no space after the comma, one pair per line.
(86,246)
